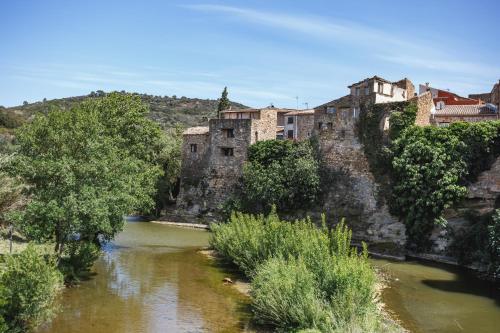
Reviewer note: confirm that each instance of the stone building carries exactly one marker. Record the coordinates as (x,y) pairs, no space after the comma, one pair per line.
(213,156)
(298,125)
(492,97)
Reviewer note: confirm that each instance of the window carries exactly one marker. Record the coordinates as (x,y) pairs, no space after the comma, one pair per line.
(331,109)
(290,120)
(444,124)
(227,151)
(320,124)
(355,112)
(357,91)
(440,105)
(194,148)
(330,125)
(367,91)
(256,136)
(229,132)
(290,134)
(380,87)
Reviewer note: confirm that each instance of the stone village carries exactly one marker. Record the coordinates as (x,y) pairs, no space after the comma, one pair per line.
(213,156)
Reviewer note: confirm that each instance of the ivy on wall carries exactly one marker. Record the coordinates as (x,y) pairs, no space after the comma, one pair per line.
(424,170)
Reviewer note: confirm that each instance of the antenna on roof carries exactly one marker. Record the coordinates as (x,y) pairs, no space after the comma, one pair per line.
(297,98)
(307,105)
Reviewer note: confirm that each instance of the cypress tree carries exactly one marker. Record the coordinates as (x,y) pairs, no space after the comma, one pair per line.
(223,102)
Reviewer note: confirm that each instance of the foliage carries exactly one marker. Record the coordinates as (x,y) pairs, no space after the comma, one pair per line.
(430,166)
(29,284)
(285,295)
(494,243)
(87,167)
(9,119)
(401,119)
(224,102)
(281,173)
(479,242)
(303,276)
(77,260)
(170,160)
(165,110)
(11,196)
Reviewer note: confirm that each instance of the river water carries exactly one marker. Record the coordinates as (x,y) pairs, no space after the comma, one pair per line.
(152,279)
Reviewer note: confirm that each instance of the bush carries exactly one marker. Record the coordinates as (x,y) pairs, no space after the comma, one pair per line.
(303,276)
(30,283)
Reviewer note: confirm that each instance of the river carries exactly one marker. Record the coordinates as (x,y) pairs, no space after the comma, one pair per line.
(152,279)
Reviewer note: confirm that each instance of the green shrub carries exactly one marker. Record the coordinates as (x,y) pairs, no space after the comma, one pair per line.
(30,283)
(494,244)
(303,276)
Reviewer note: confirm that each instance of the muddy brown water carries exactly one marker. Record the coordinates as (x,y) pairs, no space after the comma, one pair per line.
(152,279)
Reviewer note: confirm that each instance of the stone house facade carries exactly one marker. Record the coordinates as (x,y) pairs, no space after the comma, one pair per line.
(298,125)
(213,156)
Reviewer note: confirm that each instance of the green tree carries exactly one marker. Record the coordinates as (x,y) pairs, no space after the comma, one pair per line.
(224,103)
(170,160)
(87,167)
(281,173)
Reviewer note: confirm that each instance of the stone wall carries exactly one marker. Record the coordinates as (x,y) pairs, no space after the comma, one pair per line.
(425,105)
(352,192)
(305,126)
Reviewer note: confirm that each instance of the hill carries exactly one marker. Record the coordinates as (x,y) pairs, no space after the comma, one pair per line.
(165,110)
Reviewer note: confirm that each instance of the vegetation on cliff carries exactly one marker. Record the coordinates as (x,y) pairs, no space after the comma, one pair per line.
(425,170)
(303,277)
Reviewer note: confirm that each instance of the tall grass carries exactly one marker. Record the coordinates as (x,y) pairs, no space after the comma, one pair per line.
(303,277)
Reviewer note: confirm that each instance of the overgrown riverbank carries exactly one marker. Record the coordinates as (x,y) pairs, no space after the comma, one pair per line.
(302,277)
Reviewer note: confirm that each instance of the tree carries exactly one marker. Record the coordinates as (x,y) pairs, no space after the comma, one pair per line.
(224,103)
(170,159)
(281,173)
(85,168)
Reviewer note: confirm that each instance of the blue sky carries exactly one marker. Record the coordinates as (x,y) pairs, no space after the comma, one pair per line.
(264,51)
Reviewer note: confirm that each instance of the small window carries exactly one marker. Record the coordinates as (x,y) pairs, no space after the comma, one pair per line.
(329,125)
(355,112)
(444,124)
(194,148)
(320,125)
(367,91)
(440,105)
(357,91)
(256,136)
(290,120)
(227,151)
(331,109)
(290,134)
(380,87)
(229,132)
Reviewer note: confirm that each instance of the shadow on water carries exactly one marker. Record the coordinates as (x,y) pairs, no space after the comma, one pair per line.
(432,297)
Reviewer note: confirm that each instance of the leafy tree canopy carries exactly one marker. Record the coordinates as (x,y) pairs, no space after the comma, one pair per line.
(86,168)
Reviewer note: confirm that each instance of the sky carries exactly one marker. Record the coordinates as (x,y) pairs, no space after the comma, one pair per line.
(287,53)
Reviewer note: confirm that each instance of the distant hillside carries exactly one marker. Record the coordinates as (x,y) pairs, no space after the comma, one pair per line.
(166,110)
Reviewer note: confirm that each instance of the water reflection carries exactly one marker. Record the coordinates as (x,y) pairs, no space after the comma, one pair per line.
(153,280)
